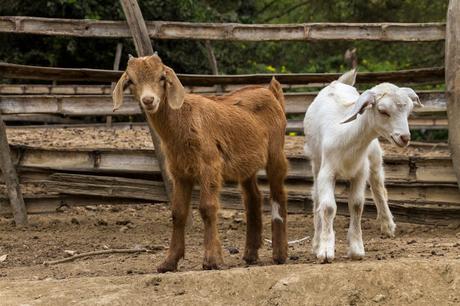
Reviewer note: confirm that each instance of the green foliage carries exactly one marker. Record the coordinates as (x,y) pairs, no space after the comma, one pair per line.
(233,57)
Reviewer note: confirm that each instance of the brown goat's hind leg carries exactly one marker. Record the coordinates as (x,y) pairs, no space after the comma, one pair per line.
(252,200)
(209,205)
(180,206)
(276,172)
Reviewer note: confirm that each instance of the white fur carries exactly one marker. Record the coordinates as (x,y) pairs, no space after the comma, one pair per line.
(276,211)
(352,151)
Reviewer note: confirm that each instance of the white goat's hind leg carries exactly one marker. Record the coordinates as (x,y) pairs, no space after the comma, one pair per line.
(316,219)
(379,194)
(355,206)
(326,211)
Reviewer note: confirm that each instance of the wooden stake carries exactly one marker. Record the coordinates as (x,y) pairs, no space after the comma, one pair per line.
(11,179)
(212,62)
(144,47)
(116,67)
(452,59)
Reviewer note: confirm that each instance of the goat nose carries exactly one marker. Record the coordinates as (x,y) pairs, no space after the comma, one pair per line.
(147,100)
(405,138)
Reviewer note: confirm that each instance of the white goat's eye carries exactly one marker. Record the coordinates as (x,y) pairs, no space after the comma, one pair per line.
(383,112)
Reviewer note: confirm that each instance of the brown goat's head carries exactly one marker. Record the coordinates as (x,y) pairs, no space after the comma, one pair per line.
(151,83)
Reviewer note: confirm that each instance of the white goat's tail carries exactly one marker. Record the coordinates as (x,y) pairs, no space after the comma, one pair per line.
(349,77)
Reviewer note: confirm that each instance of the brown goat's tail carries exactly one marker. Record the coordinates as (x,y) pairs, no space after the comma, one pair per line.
(277,90)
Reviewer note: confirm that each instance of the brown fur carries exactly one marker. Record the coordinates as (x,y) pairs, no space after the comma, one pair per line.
(211,139)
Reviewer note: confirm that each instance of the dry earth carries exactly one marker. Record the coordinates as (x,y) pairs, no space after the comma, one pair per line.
(420,266)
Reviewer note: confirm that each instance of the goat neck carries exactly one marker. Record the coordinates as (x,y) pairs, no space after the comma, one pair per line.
(358,134)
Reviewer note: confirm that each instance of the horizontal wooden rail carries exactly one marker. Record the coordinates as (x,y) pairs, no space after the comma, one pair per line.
(228,31)
(422,75)
(84,105)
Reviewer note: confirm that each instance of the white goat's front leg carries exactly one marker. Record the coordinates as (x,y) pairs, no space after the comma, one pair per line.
(326,212)
(355,207)
(379,194)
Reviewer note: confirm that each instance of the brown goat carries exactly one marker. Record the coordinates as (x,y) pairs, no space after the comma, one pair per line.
(210,139)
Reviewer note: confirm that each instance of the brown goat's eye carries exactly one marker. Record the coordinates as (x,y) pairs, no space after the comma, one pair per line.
(384,113)
(163,78)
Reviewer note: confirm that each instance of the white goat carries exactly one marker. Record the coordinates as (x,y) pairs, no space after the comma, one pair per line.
(343,145)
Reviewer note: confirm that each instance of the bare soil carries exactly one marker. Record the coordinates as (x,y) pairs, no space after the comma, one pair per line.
(402,269)
(421,266)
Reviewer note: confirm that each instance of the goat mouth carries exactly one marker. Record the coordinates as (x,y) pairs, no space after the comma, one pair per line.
(151,108)
(398,143)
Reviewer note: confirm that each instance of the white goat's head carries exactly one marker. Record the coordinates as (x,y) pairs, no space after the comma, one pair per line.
(389,107)
(151,83)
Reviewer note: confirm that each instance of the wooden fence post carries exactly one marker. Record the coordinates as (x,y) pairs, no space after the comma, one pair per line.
(116,67)
(213,63)
(452,65)
(144,47)
(11,179)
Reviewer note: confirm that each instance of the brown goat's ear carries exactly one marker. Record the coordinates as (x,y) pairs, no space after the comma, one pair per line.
(365,99)
(175,92)
(117,95)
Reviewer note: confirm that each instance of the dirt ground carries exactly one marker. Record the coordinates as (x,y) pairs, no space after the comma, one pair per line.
(420,266)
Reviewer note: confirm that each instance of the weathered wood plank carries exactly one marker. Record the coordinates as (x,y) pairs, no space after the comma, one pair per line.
(11,179)
(228,31)
(421,75)
(84,105)
(452,62)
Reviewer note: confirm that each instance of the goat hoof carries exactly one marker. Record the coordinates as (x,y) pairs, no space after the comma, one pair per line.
(388,229)
(167,267)
(211,266)
(212,263)
(324,257)
(279,260)
(251,259)
(356,255)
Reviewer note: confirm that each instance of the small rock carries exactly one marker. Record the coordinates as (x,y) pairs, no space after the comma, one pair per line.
(453,225)
(101,222)
(379,298)
(294,257)
(74,221)
(70,253)
(226,214)
(62,208)
(238,220)
(124,229)
(232,226)
(91,208)
(35,237)
(411,241)
(115,209)
(233,250)
(3,257)
(123,222)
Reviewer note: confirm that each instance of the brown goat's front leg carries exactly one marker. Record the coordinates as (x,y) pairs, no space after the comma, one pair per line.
(252,199)
(180,206)
(209,205)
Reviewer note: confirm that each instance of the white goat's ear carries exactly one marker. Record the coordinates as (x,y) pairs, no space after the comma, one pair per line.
(175,92)
(349,77)
(117,95)
(412,95)
(365,99)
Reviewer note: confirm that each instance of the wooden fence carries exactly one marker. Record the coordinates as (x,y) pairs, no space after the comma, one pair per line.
(26,100)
